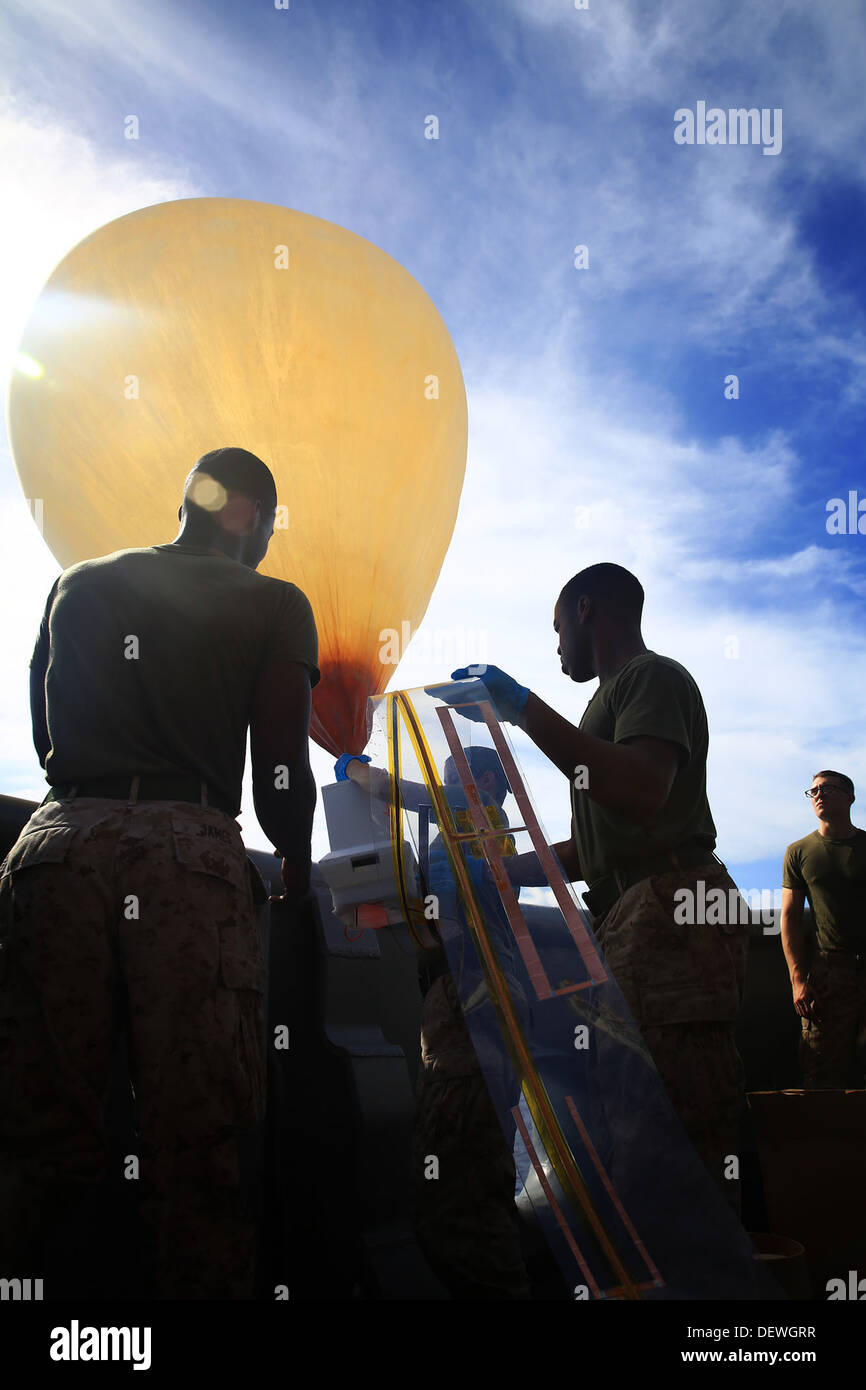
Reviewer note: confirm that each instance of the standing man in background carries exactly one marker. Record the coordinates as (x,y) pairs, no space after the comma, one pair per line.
(128,901)
(642,831)
(829,868)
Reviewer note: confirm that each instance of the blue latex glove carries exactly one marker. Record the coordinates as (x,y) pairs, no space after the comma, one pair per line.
(343,762)
(441,877)
(509,698)
(479,872)
(442,883)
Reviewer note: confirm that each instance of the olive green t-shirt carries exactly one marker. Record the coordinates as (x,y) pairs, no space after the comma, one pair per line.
(650,696)
(832,874)
(151,659)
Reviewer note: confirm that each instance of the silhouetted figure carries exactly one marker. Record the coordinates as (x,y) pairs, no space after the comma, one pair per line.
(128,900)
(643,840)
(829,868)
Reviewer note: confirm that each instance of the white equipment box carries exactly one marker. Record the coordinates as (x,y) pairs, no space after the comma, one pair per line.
(360,866)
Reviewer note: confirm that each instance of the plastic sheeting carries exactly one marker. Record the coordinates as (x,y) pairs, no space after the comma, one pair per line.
(626,1206)
(206,322)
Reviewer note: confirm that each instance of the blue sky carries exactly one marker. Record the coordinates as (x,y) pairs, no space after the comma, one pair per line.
(599,388)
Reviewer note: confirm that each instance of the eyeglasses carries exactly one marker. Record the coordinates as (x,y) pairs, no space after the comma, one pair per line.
(825,787)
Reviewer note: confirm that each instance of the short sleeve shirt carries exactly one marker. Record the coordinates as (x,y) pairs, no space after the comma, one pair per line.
(832,874)
(650,696)
(151,660)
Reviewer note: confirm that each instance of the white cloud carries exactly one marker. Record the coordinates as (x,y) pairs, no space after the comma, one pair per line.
(706,242)
(702,250)
(789,699)
(803,57)
(815,566)
(27,571)
(163,51)
(62,188)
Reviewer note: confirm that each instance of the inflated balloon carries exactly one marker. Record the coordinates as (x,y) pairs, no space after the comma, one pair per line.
(217,321)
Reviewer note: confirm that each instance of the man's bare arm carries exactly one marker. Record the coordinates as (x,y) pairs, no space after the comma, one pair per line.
(794,946)
(284,792)
(633,777)
(38,715)
(38,668)
(377,782)
(525,870)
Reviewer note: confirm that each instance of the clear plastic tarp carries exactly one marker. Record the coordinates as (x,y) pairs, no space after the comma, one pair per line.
(624,1202)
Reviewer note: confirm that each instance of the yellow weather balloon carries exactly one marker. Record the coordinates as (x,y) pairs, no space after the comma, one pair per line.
(217,321)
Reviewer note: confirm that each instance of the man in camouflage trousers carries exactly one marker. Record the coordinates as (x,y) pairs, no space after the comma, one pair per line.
(154,898)
(683,983)
(128,902)
(642,832)
(829,991)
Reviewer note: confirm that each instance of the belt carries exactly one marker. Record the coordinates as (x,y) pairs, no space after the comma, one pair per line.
(856,959)
(603,892)
(152,787)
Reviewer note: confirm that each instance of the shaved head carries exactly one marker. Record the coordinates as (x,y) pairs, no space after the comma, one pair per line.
(612,590)
(597,618)
(229,504)
(225,471)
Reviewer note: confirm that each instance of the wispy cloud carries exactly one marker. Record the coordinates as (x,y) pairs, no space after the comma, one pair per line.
(592,434)
(62,186)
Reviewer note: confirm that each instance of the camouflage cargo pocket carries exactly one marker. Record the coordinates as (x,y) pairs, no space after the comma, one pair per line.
(701,965)
(44,844)
(209,845)
(669,971)
(206,844)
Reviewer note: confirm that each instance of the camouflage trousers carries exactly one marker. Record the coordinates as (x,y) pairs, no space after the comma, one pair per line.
(463,1205)
(833,1047)
(135,916)
(683,983)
